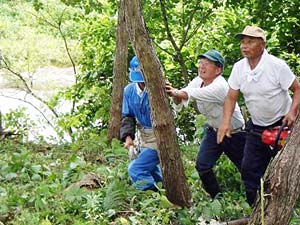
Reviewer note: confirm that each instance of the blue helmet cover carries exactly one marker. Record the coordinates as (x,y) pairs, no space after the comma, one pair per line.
(135,73)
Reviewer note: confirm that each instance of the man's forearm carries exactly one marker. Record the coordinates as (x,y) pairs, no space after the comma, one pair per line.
(127,128)
(296,98)
(229,106)
(228,110)
(178,96)
(296,101)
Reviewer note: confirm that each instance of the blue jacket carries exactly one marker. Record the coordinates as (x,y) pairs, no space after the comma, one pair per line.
(135,107)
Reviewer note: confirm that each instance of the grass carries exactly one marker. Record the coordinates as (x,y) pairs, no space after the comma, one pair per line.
(35,181)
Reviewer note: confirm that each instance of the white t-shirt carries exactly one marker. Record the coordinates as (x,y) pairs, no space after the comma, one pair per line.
(210,100)
(265,88)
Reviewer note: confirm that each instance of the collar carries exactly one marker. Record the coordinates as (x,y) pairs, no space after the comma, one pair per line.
(255,74)
(139,91)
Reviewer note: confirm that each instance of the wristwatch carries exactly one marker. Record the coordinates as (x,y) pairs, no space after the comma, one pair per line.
(175,93)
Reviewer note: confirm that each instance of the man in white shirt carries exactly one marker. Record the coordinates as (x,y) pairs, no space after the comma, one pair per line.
(209,90)
(265,82)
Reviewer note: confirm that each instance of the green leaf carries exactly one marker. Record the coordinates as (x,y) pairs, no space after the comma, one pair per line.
(11,176)
(164,202)
(216,207)
(46,222)
(36,177)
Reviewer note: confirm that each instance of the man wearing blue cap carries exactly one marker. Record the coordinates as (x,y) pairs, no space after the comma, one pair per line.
(209,90)
(143,170)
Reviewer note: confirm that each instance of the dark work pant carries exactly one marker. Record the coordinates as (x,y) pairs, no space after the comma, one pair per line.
(256,159)
(210,152)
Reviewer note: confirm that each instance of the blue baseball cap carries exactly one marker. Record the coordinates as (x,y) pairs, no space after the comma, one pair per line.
(214,56)
(135,73)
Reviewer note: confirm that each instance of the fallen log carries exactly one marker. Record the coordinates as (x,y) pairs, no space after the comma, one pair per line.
(241,221)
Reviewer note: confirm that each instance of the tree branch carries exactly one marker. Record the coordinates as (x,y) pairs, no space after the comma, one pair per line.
(27,88)
(166,24)
(58,25)
(178,56)
(198,25)
(35,107)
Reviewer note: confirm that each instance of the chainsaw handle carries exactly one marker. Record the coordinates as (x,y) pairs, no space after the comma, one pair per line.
(278,134)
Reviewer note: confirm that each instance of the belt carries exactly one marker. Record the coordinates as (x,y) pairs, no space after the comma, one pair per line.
(237,130)
(234,131)
(211,128)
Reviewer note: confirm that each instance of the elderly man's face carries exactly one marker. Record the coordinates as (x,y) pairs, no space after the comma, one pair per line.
(208,69)
(252,47)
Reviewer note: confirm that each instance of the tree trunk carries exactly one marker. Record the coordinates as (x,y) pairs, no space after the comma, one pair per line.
(282,184)
(120,75)
(162,119)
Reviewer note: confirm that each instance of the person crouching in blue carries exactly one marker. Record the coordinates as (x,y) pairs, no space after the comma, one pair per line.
(136,131)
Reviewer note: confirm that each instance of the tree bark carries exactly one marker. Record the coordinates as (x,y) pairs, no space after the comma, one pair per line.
(162,119)
(281,185)
(120,74)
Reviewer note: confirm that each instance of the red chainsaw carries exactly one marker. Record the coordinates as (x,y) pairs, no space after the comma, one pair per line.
(276,136)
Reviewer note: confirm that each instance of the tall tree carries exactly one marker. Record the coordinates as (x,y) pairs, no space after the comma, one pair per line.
(282,185)
(162,119)
(191,16)
(120,71)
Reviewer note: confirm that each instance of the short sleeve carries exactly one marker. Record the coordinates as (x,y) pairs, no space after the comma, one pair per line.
(286,77)
(233,79)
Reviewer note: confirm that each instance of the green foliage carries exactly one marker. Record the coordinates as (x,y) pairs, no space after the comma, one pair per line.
(186,127)
(296,216)
(199,123)
(279,20)
(92,113)
(17,122)
(96,33)
(36,188)
(195,26)
(230,175)
(57,21)
(25,43)
(35,178)
(114,197)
